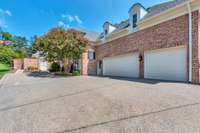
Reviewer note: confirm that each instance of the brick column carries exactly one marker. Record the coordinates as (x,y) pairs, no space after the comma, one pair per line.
(17,64)
(84,62)
(196,47)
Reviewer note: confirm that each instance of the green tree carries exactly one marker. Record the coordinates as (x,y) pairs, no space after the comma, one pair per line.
(20,42)
(6,35)
(33,48)
(7,54)
(62,45)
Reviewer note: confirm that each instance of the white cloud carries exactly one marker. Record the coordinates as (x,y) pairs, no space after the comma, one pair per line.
(3,24)
(1,10)
(78,20)
(62,24)
(8,12)
(67,20)
(63,16)
(67,26)
(71,18)
(3,15)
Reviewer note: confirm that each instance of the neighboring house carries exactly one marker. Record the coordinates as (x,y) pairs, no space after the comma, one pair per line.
(159,42)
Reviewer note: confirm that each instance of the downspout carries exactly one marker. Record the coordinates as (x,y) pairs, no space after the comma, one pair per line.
(190,41)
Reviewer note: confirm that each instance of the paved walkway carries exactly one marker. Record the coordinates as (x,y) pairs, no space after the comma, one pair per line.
(34,104)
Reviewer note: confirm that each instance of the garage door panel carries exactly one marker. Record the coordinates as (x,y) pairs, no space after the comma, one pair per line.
(123,66)
(166,64)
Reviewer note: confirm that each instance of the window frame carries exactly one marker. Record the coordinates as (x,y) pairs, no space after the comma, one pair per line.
(106,31)
(134,20)
(91,54)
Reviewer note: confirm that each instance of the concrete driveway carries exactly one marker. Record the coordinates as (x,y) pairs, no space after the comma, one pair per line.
(32,104)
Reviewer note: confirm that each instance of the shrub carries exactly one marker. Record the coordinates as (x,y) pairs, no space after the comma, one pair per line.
(6,55)
(55,67)
(76,73)
(32,69)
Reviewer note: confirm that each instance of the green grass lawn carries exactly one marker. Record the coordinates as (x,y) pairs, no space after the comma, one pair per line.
(4,69)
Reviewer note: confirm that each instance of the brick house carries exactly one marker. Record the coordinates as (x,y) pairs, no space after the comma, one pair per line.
(159,42)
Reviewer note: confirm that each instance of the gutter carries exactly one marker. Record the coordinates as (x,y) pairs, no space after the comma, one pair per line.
(190,40)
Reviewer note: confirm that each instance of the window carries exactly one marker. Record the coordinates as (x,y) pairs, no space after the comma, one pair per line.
(106,32)
(134,20)
(91,54)
(100,64)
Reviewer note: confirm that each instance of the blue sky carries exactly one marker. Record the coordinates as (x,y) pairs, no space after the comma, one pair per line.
(35,17)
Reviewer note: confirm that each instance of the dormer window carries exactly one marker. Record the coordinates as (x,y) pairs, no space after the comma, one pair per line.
(134,20)
(136,13)
(106,31)
(108,28)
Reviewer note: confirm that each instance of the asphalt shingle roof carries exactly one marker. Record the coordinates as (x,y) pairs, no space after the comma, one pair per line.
(90,35)
(157,9)
(152,11)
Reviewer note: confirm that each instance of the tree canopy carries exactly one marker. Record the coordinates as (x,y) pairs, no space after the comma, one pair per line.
(6,36)
(19,42)
(16,49)
(33,47)
(60,44)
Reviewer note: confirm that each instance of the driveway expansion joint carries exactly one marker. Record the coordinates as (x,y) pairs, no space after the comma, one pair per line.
(127,118)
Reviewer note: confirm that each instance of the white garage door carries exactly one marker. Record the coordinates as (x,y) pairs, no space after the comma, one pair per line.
(122,66)
(166,64)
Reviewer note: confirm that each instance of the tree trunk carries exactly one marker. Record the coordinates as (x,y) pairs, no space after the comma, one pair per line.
(61,65)
(67,65)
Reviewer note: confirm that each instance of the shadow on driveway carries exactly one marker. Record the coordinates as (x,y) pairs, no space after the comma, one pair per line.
(146,81)
(139,80)
(41,74)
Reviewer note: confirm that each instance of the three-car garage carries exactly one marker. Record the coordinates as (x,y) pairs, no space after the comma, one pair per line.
(162,64)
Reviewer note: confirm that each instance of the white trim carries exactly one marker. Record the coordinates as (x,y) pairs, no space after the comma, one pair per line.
(190,41)
(109,37)
(144,20)
(167,19)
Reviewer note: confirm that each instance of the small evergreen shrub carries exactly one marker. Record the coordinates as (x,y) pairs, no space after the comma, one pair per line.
(76,73)
(55,67)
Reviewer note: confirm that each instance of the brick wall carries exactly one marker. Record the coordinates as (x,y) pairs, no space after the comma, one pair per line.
(25,63)
(31,63)
(168,34)
(196,48)
(84,66)
(88,67)
(198,78)
(17,64)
